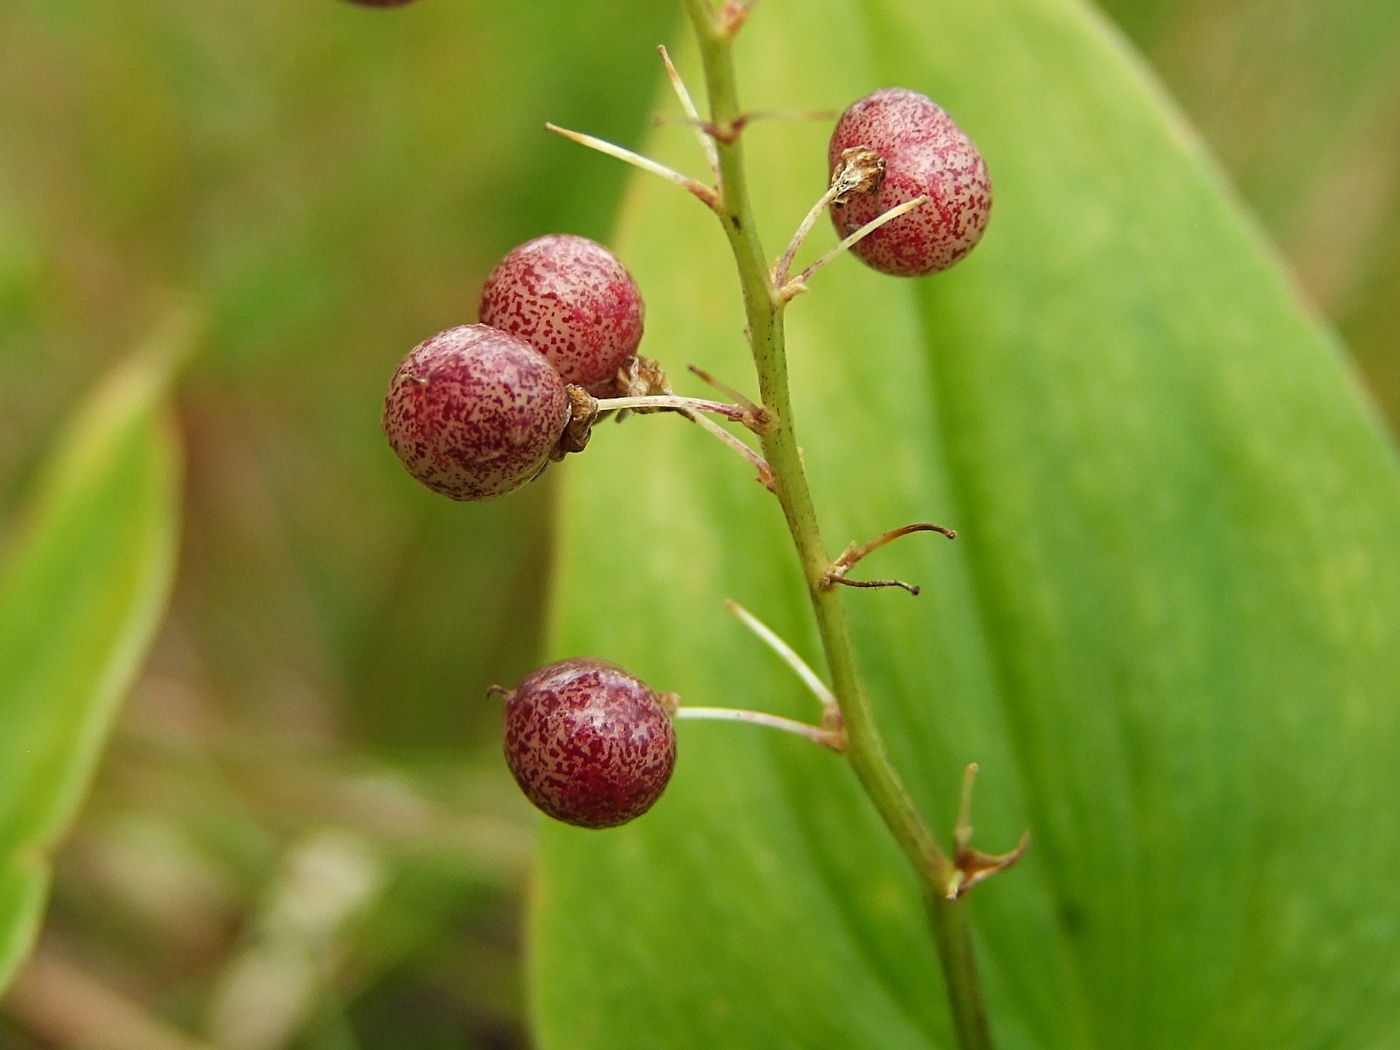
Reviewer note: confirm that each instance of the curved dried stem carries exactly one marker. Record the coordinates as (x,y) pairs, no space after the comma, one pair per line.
(855,552)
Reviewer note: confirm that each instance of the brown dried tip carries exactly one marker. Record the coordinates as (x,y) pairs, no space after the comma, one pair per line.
(861,171)
(925,153)
(588,743)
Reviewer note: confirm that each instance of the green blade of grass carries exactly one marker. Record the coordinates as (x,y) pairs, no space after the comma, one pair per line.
(1167,631)
(82,592)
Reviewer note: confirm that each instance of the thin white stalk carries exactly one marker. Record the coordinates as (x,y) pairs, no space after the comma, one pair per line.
(692,114)
(816,734)
(693,404)
(685,182)
(799,283)
(770,638)
(783,267)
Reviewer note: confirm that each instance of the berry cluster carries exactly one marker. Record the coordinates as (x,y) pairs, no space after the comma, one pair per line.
(479,410)
(571,300)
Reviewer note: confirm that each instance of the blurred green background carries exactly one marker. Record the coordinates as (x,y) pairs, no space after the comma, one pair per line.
(302,833)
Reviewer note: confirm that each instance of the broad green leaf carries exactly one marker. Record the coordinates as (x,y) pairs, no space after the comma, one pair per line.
(1168,631)
(82,590)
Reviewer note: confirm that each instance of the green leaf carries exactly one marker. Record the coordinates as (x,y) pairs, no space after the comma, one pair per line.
(1167,631)
(82,591)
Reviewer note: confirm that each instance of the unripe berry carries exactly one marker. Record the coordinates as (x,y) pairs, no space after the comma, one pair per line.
(588,743)
(924,153)
(571,300)
(474,412)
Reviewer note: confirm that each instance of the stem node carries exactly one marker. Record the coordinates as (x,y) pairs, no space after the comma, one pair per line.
(971,866)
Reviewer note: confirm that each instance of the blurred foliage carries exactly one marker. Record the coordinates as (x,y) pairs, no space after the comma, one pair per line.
(82,593)
(329,184)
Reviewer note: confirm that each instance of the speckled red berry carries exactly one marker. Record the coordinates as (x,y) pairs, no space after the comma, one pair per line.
(474,412)
(924,153)
(571,300)
(589,743)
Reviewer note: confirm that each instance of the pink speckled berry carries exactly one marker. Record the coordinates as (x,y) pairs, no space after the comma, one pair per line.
(588,743)
(474,412)
(924,153)
(571,300)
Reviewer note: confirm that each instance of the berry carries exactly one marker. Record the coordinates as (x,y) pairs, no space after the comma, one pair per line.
(924,153)
(588,743)
(474,412)
(571,300)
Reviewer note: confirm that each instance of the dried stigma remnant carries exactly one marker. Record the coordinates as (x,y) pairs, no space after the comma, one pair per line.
(475,412)
(925,154)
(588,743)
(572,300)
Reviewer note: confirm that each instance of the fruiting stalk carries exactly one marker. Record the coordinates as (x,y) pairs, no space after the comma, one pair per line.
(770,638)
(627,156)
(678,404)
(862,173)
(799,283)
(831,738)
(688,107)
(764,303)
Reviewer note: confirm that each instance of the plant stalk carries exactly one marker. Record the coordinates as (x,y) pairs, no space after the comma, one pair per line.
(865,748)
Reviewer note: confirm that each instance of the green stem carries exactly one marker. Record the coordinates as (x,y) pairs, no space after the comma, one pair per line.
(952,933)
(865,748)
